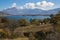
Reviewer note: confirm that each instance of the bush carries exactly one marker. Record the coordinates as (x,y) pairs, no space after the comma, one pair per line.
(26,34)
(13,36)
(34,21)
(22,22)
(3,35)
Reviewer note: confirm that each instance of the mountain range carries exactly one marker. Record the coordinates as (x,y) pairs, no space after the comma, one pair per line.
(15,11)
(3,14)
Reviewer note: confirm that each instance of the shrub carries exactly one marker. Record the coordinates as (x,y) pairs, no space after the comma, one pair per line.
(34,21)
(3,35)
(22,22)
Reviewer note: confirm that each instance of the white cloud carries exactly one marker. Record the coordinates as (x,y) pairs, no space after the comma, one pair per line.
(9,7)
(39,5)
(44,4)
(13,5)
(21,7)
(50,4)
(29,6)
(47,4)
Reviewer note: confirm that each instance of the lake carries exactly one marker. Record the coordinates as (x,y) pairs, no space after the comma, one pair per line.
(26,17)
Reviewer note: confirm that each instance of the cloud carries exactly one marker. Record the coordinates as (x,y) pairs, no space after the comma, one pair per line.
(44,4)
(29,6)
(50,4)
(38,5)
(20,7)
(13,5)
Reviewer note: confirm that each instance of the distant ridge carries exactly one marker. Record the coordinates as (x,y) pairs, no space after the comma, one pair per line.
(3,14)
(15,11)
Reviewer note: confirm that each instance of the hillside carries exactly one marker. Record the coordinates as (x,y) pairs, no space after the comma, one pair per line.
(15,11)
(2,13)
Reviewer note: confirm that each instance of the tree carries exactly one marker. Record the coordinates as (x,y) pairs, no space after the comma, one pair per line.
(26,34)
(56,19)
(5,20)
(52,19)
(0,19)
(34,21)
(22,22)
(46,20)
(51,16)
(3,34)
(40,35)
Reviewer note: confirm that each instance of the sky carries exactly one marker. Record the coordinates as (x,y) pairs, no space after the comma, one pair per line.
(30,4)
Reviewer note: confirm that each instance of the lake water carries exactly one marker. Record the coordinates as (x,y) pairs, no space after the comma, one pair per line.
(26,17)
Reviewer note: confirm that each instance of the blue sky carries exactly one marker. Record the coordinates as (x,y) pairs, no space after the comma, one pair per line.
(22,3)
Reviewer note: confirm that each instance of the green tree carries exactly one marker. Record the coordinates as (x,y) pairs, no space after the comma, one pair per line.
(56,21)
(46,20)
(34,21)
(56,18)
(52,19)
(51,16)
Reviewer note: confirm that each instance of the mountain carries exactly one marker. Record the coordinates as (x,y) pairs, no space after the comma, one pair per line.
(2,13)
(11,11)
(54,11)
(15,11)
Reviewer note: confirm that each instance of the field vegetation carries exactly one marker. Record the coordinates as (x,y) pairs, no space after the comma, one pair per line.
(46,29)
